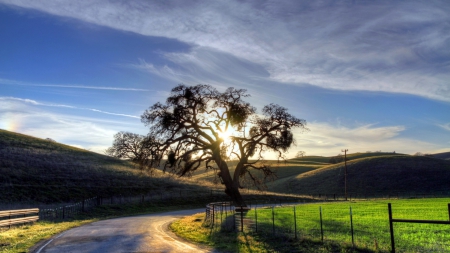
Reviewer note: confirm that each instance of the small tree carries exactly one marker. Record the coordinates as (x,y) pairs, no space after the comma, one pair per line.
(199,125)
(134,147)
(300,154)
(337,159)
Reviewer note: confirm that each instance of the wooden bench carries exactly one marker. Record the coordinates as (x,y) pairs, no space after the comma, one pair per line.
(13,216)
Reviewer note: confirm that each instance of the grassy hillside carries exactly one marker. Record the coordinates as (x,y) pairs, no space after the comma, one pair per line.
(445,156)
(289,169)
(282,169)
(377,176)
(292,168)
(33,169)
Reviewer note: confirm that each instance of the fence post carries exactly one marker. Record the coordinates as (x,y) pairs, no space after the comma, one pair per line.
(64,212)
(448,211)
(221,212)
(213,216)
(242,219)
(391,228)
(351,225)
(226,218)
(273,221)
(234,220)
(295,224)
(256,219)
(321,224)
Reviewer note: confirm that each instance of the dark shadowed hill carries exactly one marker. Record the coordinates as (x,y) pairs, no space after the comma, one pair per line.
(445,156)
(378,176)
(33,169)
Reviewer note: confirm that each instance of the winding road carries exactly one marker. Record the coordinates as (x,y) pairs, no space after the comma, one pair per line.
(144,233)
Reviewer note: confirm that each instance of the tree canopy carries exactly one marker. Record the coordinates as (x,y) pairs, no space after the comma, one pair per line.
(198,125)
(134,147)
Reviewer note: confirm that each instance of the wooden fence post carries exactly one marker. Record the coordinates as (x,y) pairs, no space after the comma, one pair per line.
(256,219)
(242,219)
(273,221)
(391,228)
(295,224)
(321,223)
(351,226)
(448,205)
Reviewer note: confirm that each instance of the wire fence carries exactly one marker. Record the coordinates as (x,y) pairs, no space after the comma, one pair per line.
(376,195)
(357,226)
(66,211)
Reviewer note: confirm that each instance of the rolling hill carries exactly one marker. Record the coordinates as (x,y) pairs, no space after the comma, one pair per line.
(33,169)
(376,176)
(445,156)
(40,170)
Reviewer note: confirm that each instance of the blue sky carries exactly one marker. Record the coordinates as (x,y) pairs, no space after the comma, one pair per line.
(365,75)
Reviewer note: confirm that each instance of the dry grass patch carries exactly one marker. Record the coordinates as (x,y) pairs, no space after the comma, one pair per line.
(21,238)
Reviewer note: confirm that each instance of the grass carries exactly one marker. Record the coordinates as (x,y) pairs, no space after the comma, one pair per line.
(370,221)
(20,239)
(378,177)
(193,229)
(41,171)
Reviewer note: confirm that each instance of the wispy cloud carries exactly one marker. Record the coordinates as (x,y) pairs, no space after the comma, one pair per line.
(13,82)
(34,102)
(371,45)
(28,117)
(324,138)
(445,126)
(206,65)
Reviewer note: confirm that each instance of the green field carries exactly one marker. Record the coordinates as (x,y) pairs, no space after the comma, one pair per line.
(370,226)
(370,223)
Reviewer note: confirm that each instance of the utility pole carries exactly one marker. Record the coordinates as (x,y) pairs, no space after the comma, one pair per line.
(345,177)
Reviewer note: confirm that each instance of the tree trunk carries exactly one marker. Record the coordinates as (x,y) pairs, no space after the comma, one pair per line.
(235,194)
(232,188)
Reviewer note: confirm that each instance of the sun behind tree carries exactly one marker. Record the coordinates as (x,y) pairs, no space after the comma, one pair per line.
(199,125)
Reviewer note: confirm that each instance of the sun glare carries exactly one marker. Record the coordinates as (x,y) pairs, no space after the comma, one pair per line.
(225,135)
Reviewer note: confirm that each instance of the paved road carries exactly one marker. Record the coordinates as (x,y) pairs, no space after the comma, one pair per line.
(145,233)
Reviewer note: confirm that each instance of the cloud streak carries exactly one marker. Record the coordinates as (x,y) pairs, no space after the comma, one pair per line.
(401,47)
(30,101)
(28,117)
(13,82)
(323,138)
(445,126)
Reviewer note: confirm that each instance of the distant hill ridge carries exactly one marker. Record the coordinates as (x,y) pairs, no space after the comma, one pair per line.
(378,176)
(34,169)
(445,156)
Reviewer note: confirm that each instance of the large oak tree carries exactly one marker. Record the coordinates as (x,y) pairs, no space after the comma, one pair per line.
(192,129)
